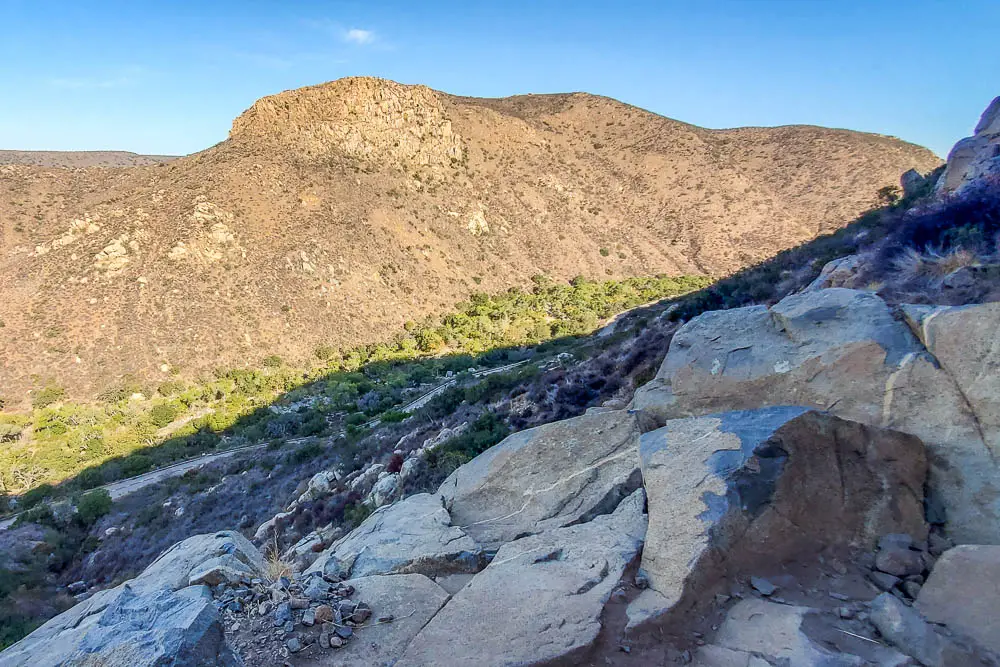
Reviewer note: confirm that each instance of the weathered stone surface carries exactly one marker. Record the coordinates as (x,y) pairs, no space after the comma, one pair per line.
(775,632)
(173,569)
(965,341)
(907,630)
(540,599)
(144,621)
(977,157)
(225,569)
(545,477)
(384,491)
(125,627)
(412,599)
(836,273)
(738,490)
(839,350)
(414,535)
(963,592)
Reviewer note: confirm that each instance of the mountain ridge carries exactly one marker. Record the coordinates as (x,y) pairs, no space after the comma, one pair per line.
(335,213)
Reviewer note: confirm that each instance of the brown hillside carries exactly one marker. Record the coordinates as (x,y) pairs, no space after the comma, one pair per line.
(76,159)
(335,213)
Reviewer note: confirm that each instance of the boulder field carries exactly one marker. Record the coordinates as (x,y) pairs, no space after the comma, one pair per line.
(788,490)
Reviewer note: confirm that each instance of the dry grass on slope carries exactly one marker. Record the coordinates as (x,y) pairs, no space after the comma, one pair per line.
(336,213)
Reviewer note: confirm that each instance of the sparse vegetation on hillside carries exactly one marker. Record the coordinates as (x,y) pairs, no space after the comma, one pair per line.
(125,436)
(326,219)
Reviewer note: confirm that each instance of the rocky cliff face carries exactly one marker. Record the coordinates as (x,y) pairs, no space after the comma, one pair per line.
(977,157)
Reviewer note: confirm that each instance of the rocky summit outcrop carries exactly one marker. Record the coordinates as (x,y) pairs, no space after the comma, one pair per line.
(730,493)
(366,118)
(845,351)
(977,157)
(546,477)
(165,616)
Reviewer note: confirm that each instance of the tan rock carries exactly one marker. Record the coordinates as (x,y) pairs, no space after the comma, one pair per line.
(539,600)
(545,477)
(735,491)
(963,592)
(839,350)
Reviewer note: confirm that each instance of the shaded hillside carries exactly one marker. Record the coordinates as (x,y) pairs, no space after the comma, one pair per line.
(335,213)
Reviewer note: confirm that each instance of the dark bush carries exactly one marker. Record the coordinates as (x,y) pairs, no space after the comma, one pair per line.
(92,506)
(969,219)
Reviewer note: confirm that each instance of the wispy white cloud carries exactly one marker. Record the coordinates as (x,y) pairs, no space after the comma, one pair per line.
(359,36)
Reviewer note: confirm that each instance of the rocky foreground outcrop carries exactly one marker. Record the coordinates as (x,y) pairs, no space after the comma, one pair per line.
(975,157)
(847,352)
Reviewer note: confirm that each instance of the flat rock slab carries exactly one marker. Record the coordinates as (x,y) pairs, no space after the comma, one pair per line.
(546,477)
(772,631)
(842,350)
(412,599)
(127,628)
(412,536)
(540,599)
(963,592)
(735,491)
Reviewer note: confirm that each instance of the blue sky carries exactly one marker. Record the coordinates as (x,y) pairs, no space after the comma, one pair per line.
(169,76)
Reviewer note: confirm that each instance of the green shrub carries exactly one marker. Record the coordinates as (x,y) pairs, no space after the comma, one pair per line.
(355,514)
(306,452)
(605,252)
(92,506)
(162,414)
(47,396)
(392,416)
(273,361)
(89,478)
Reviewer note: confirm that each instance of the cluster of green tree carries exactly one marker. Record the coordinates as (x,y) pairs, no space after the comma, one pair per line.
(133,428)
(23,582)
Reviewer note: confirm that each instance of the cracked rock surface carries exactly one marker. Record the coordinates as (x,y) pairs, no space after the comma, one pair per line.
(546,477)
(540,599)
(842,350)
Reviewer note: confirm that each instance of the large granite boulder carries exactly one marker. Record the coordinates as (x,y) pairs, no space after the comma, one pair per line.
(155,619)
(546,477)
(414,535)
(839,350)
(539,600)
(977,157)
(963,592)
(965,340)
(736,491)
(413,599)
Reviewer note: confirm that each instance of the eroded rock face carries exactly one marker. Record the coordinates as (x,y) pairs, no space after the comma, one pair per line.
(414,535)
(839,350)
(155,619)
(975,157)
(540,599)
(966,342)
(546,477)
(362,117)
(733,491)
